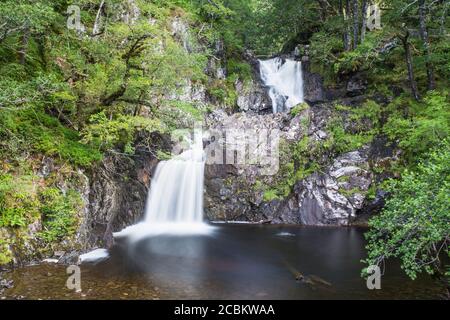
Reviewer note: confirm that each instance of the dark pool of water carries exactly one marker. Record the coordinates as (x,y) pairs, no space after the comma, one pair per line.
(234,262)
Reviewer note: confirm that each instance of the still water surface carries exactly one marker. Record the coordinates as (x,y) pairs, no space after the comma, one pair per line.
(233,262)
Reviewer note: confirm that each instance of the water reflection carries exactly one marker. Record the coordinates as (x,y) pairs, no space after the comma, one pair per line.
(245,262)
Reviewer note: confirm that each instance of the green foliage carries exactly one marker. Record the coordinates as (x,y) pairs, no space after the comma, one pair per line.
(224,92)
(37,16)
(427,125)
(30,130)
(59,213)
(363,57)
(278,22)
(270,195)
(353,127)
(239,69)
(18,203)
(104,133)
(295,111)
(325,49)
(5,253)
(297,161)
(340,141)
(414,223)
(195,111)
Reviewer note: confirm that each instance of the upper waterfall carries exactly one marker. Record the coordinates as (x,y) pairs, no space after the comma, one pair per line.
(285,82)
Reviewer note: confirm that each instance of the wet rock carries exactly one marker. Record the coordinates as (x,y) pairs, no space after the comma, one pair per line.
(324,200)
(357,85)
(118,191)
(5,284)
(180,31)
(252,97)
(335,196)
(314,91)
(230,193)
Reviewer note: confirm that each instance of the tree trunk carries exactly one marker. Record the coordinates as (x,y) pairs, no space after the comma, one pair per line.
(323,9)
(355,24)
(24,46)
(345,15)
(97,24)
(364,19)
(426,44)
(408,58)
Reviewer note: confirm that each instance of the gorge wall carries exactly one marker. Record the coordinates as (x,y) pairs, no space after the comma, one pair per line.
(315,184)
(340,192)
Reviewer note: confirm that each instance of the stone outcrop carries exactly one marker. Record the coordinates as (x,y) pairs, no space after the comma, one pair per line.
(333,197)
(253,97)
(337,195)
(118,190)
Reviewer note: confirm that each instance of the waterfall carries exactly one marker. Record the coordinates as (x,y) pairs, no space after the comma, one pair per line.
(176,195)
(284,80)
(175,200)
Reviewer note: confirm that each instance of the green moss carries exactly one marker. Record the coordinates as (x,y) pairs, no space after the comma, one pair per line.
(195,111)
(26,199)
(223,91)
(5,253)
(298,109)
(31,130)
(239,68)
(18,203)
(350,192)
(340,141)
(344,179)
(297,162)
(270,195)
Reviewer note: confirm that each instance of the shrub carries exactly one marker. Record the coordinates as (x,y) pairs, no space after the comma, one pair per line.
(413,226)
(59,213)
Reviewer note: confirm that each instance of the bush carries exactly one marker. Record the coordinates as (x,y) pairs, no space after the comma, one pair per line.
(240,68)
(427,125)
(18,203)
(105,134)
(59,213)
(414,225)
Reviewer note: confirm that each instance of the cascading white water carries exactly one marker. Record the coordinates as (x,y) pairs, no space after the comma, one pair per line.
(175,201)
(285,82)
(176,195)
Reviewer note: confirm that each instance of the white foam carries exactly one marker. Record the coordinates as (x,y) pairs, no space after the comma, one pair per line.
(96,255)
(143,230)
(285,234)
(285,81)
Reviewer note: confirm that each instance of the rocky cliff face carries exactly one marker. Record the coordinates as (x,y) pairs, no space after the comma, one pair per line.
(334,196)
(118,190)
(337,195)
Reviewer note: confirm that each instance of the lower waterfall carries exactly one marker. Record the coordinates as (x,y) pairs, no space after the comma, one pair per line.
(176,195)
(175,200)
